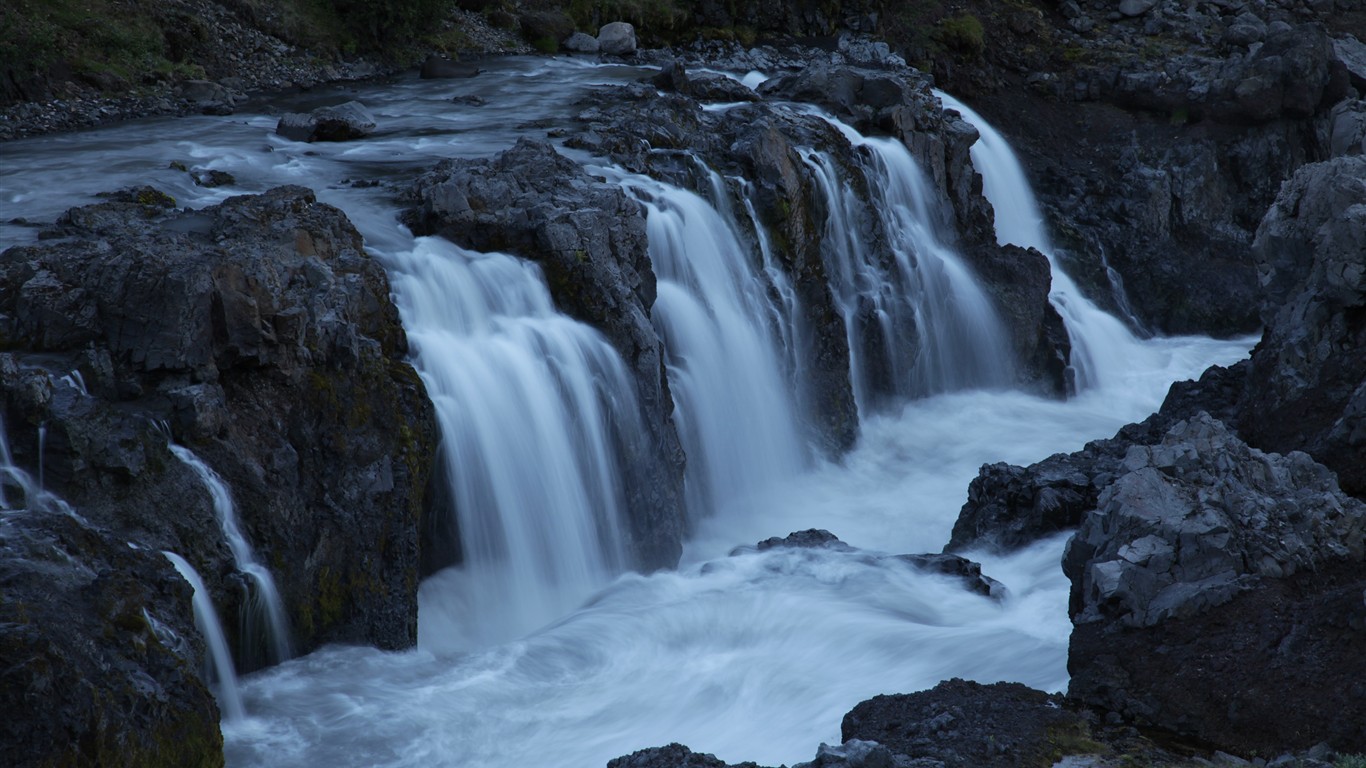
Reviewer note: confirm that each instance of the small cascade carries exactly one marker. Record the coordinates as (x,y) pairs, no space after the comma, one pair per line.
(926,299)
(536,413)
(265,625)
(220,667)
(19,490)
(42,449)
(732,401)
(1102,347)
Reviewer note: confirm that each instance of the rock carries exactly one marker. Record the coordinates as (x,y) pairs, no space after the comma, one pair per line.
(589,239)
(1246,29)
(1018,281)
(545,28)
(672,756)
(438,68)
(260,333)
(1347,129)
(617,38)
(1136,7)
(211,98)
(1241,569)
(580,42)
(854,753)
(1352,53)
(963,724)
(1307,386)
(212,177)
(812,538)
(344,122)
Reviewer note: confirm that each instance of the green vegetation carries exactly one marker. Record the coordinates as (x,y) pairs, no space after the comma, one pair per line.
(961,34)
(1350,761)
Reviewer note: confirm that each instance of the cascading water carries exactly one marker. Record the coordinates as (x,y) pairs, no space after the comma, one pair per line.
(265,625)
(928,300)
(732,403)
(1102,347)
(535,410)
(219,662)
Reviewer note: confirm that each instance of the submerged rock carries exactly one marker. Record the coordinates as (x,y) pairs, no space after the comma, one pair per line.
(343,122)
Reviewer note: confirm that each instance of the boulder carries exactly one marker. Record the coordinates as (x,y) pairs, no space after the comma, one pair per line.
(209,97)
(1307,386)
(580,42)
(617,38)
(589,239)
(963,724)
(1136,7)
(1347,128)
(1352,53)
(260,334)
(99,649)
(343,122)
(1216,593)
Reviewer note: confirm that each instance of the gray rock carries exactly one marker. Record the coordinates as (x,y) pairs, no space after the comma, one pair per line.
(211,98)
(1352,53)
(1347,129)
(1133,8)
(617,38)
(580,42)
(343,122)
(1246,29)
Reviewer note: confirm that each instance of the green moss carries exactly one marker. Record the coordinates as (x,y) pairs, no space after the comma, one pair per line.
(962,34)
(1350,761)
(1064,740)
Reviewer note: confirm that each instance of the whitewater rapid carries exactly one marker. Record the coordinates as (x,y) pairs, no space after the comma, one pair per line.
(750,655)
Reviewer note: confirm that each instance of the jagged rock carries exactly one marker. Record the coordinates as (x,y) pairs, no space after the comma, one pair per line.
(260,334)
(343,122)
(1246,29)
(963,724)
(1352,53)
(1307,387)
(589,239)
(617,38)
(1347,129)
(580,42)
(1019,280)
(1136,7)
(673,756)
(855,753)
(1216,593)
(704,86)
(812,538)
(439,68)
(100,654)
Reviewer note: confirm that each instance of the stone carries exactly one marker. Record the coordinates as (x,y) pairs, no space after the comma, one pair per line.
(1133,8)
(343,122)
(617,38)
(580,42)
(1347,128)
(1352,53)
(440,68)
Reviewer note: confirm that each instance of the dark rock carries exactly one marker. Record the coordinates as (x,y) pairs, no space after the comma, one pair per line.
(580,42)
(706,86)
(545,27)
(963,569)
(854,754)
(100,654)
(438,68)
(344,122)
(1352,53)
(1215,591)
(212,177)
(1307,386)
(1347,129)
(963,724)
(209,97)
(1019,280)
(259,333)
(812,538)
(672,756)
(589,239)
(617,38)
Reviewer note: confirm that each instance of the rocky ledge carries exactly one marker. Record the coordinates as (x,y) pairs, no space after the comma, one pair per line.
(258,334)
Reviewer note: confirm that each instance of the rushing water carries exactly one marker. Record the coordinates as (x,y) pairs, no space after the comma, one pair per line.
(537,650)
(222,673)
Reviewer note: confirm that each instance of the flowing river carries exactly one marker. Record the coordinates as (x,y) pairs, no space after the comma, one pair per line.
(540,650)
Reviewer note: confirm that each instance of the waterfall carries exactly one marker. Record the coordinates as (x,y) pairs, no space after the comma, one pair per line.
(1102,347)
(535,411)
(30,493)
(733,404)
(926,299)
(265,625)
(219,663)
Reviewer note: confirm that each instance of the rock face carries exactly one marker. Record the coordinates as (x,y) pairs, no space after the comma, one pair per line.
(962,724)
(258,333)
(589,239)
(343,122)
(1216,592)
(100,655)
(1307,386)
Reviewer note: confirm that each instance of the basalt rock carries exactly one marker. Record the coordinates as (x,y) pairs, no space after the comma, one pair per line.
(343,122)
(1216,593)
(589,239)
(1307,387)
(100,656)
(260,334)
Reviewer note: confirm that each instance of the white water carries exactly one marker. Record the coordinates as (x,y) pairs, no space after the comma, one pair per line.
(752,657)
(929,301)
(532,406)
(264,621)
(220,658)
(732,402)
(1102,347)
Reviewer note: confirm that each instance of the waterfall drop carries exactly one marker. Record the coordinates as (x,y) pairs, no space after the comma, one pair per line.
(220,659)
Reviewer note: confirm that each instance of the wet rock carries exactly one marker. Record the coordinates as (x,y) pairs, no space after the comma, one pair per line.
(589,239)
(1307,387)
(1242,570)
(617,38)
(1019,280)
(344,122)
(212,177)
(673,756)
(439,68)
(705,86)
(963,724)
(812,538)
(259,333)
(580,42)
(854,753)
(100,654)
